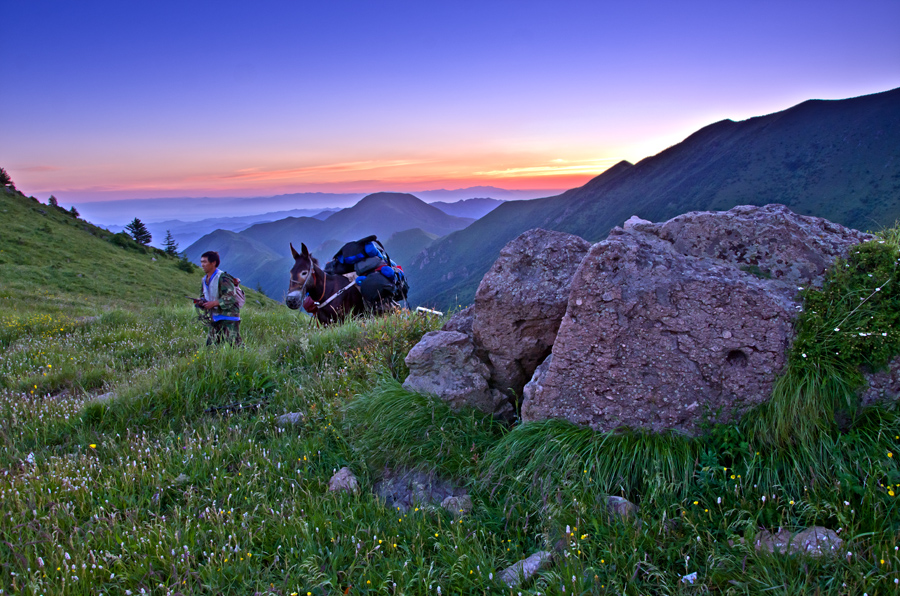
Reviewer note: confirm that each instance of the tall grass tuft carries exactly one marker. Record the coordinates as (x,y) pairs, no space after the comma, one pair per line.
(537,458)
(210,379)
(391,425)
(849,325)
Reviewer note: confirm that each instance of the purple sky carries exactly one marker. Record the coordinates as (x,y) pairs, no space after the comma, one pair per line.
(127,98)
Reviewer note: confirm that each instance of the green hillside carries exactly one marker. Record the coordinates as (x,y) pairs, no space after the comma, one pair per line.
(404,246)
(56,264)
(832,159)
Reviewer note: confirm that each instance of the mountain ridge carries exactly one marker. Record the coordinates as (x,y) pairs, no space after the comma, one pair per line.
(835,159)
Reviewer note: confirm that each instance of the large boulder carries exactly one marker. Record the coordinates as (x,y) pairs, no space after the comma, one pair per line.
(521,301)
(672,324)
(444,364)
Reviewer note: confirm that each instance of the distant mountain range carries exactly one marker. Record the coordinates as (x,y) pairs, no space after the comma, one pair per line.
(834,159)
(260,254)
(193,209)
(188,232)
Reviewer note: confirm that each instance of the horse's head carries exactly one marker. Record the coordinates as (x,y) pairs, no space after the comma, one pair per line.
(301,273)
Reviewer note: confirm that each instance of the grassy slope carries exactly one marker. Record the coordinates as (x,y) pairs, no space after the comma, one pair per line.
(55,264)
(832,159)
(152,492)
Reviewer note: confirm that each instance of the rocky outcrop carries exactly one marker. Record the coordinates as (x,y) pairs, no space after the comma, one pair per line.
(521,301)
(671,324)
(659,327)
(443,363)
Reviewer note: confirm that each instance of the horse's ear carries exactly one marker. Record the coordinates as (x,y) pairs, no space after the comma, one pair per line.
(294,252)
(304,249)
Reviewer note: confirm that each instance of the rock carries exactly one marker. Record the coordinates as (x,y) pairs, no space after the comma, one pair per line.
(458,506)
(817,541)
(289,419)
(882,385)
(621,508)
(105,397)
(665,328)
(443,363)
(403,489)
(461,321)
(634,220)
(773,541)
(771,241)
(814,542)
(520,572)
(521,301)
(343,480)
(535,385)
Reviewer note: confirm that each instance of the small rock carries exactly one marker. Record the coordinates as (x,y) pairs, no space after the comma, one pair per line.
(815,542)
(105,397)
(344,480)
(773,541)
(620,507)
(458,506)
(634,220)
(520,572)
(290,419)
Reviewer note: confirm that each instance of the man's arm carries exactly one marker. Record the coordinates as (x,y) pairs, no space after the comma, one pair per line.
(227,302)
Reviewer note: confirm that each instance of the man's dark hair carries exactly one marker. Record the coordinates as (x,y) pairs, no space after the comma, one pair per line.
(211,256)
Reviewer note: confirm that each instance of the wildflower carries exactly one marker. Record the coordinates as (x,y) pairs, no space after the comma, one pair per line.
(92,446)
(890,454)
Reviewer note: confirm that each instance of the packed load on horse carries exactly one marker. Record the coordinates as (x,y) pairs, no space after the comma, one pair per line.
(361,277)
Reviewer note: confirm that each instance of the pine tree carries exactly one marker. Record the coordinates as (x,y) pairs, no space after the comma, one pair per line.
(52,201)
(170,245)
(5,180)
(74,212)
(139,232)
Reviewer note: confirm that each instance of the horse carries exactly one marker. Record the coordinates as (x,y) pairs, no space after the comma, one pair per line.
(331,298)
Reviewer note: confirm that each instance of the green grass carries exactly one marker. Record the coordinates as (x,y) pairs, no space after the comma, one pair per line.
(157,490)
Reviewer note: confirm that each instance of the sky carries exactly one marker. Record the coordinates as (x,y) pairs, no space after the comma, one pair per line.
(139,99)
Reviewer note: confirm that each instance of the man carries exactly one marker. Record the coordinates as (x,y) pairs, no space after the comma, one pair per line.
(218,297)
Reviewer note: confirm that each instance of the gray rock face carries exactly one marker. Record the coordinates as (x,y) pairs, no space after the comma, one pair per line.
(443,363)
(521,301)
(670,324)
